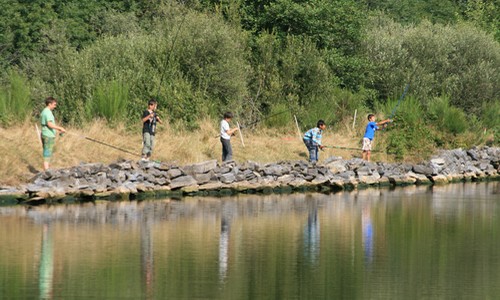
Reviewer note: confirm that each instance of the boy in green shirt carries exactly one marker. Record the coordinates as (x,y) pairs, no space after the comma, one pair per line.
(49,130)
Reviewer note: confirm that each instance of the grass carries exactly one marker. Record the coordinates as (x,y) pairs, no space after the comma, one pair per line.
(22,151)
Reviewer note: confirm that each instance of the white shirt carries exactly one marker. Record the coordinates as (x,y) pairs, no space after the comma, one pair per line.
(224,126)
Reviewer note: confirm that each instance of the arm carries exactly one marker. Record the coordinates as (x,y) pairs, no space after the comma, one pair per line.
(231,131)
(51,125)
(146,118)
(384,122)
(158,119)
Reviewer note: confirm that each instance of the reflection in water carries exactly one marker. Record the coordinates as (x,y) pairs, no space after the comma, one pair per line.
(367,228)
(312,233)
(147,261)
(46,269)
(427,244)
(227,212)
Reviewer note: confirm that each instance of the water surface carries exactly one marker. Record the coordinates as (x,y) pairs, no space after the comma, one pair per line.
(414,242)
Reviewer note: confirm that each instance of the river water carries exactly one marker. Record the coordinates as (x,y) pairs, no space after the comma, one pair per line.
(407,243)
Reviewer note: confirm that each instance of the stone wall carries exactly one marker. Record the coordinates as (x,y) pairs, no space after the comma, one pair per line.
(136,180)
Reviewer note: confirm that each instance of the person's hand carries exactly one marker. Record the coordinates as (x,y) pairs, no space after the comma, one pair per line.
(62,130)
(321,147)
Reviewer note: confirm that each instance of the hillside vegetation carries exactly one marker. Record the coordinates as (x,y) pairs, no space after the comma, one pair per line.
(265,60)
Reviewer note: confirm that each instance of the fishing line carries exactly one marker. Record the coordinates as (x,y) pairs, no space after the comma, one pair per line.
(106,144)
(399,101)
(348,148)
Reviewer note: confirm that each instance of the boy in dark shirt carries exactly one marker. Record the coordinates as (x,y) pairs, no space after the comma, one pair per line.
(149,119)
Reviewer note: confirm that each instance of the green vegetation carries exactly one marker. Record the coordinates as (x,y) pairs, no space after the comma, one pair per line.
(314,59)
(15,99)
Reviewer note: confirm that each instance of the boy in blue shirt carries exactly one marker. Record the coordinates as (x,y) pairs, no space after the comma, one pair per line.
(370,134)
(312,139)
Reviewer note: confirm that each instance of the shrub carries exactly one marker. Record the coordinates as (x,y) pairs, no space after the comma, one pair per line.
(447,117)
(456,60)
(110,101)
(15,99)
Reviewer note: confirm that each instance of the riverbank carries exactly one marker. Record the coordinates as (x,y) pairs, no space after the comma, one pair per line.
(129,179)
(21,157)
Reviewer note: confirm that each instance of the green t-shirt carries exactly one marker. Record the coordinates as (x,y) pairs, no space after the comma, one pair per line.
(45,117)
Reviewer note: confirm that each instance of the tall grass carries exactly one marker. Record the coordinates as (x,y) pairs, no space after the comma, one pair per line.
(110,101)
(446,116)
(15,99)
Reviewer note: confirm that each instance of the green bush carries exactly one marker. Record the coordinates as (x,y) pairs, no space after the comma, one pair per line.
(15,99)
(447,117)
(490,120)
(456,60)
(408,133)
(110,101)
(280,116)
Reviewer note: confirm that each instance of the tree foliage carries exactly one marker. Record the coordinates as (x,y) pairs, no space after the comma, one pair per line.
(313,58)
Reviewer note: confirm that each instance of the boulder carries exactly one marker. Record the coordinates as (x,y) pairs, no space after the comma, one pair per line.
(200,168)
(422,169)
(174,173)
(439,179)
(182,181)
(227,178)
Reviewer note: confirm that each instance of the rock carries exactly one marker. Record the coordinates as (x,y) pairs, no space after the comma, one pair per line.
(285,179)
(473,154)
(319,180)
(438,161)
(174,173)
(297,182)
(200,168)
(337,167)
(202,178)
(190,189)
(227,178)
(273,170)
(369,179)
(125,165)
(182,182)
(439,179)
(421,169)
(420,178)
(210,186)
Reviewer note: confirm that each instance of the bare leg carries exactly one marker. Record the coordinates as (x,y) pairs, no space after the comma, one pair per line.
(45,165)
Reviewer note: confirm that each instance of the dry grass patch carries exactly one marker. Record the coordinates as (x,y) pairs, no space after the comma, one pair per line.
(22,151)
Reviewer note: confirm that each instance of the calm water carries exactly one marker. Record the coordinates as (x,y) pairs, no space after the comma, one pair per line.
(415,242)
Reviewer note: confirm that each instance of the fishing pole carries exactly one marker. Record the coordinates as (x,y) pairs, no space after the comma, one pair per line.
(348,148)
(399,101)
(166,64)
(106,144)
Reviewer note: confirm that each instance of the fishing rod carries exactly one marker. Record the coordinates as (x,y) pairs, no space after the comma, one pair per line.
(399,101)
(348,148)
(106,144)
(166,63)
